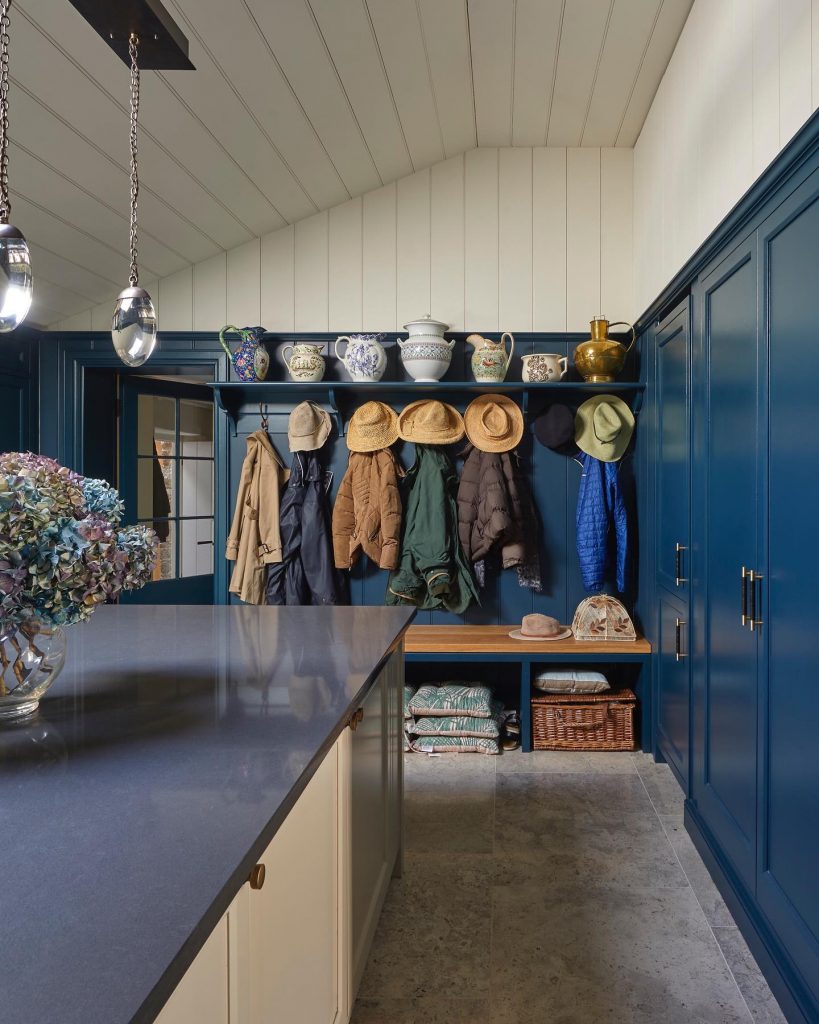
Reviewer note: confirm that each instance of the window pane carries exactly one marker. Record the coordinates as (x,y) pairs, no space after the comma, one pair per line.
(196,547)
(196,428)
(195,488)
(156,425)
(166,563)
(156,488)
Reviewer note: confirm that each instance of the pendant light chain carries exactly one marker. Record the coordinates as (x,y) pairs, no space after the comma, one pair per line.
(5,202)
(133,43)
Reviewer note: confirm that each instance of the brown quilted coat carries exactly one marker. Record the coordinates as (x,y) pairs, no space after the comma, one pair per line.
(490,509)
(367,512)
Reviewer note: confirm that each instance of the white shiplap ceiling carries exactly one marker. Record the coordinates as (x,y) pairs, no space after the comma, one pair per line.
(295,106)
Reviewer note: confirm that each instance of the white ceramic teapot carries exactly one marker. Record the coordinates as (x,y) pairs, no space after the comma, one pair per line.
(426,354)
(364,359)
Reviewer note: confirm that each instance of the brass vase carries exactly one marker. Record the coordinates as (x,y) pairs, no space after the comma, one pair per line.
(601,358)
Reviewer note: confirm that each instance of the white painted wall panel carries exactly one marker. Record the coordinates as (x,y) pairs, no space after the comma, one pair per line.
(176,298)
(210,293)
(244,284)
(447,242)
(741,81)
(582,237)
(278,300)
(413,247)
(345,271)
(549,237)
(616,233)
(481,240)
(515,240)
(311,260)
(379,265)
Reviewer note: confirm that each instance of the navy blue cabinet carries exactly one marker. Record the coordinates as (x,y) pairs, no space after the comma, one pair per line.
(788,820)
(673,345)
(724,785)
(673,685)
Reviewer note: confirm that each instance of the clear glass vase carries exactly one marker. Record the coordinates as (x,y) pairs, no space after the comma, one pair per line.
(31,656)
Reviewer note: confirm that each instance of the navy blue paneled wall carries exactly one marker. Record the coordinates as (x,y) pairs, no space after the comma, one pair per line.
(554,480)
(18,390)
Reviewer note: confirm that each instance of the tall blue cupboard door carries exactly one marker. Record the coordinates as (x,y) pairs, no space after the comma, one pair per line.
(725,477)
(787,887)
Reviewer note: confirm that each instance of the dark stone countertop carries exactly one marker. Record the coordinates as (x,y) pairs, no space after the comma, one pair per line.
(162,761)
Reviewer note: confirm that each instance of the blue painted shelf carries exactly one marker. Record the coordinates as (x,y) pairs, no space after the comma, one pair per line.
(231,396)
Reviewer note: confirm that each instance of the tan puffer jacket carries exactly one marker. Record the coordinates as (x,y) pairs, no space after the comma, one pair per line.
(367,512)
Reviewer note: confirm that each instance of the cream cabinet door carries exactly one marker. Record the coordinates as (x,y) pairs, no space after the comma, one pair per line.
(295,973)
(202,996)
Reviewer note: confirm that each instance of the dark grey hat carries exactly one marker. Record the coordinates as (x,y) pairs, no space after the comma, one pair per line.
(554,427)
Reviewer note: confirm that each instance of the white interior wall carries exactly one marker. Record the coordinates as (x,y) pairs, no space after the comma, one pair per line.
(742,80)
(515,239)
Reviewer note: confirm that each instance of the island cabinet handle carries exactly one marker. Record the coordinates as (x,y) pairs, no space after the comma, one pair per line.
(256,876)
(355,719)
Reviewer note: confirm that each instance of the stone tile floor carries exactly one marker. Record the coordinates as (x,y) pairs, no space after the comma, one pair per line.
(554,888)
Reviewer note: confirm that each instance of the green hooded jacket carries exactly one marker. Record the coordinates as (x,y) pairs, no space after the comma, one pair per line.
(432,570)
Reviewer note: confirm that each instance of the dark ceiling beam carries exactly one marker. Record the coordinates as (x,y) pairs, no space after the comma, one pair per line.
(162,45)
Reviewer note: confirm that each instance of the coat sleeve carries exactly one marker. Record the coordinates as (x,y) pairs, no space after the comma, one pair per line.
(592,524)
(513,544)
(619,516)
(242,495)
(270,484)
(390,512)
(315,551)
(468,487)
(343,520)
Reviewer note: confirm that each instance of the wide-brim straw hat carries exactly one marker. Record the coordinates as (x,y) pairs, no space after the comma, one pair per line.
(603,427)
(494,423)
(308,427)
(540,627)
(373,426)
(428,421)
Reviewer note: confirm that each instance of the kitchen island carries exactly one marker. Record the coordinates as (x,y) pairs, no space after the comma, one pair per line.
(181,752)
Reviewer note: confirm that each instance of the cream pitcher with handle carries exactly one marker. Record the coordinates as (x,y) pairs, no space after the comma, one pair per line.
(490,360)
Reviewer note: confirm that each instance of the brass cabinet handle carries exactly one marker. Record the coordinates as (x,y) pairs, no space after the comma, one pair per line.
(678,651)
(355,719)
(744,603)
(256,876)
(754,578)
(679,579)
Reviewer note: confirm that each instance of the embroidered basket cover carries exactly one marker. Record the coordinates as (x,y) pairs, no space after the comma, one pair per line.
(602,617)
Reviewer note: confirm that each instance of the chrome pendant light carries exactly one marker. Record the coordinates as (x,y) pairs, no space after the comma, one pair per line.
(133,328)
(16,282)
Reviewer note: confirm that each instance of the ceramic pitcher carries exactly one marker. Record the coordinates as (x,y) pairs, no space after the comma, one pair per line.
(305,362)
(250,360)
(541,367)
(364,359)
(490,360)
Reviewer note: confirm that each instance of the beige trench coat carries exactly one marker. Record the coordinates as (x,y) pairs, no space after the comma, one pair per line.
(254,540)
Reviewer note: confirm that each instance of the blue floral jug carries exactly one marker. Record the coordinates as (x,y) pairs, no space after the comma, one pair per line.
(251,360)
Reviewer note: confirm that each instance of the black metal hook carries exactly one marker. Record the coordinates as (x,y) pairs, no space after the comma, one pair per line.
(263,413)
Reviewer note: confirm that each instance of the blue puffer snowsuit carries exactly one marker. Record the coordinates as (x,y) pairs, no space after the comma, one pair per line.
(599,504)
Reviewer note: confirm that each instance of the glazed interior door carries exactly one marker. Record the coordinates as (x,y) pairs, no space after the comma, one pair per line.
(166,470)
(789,808)
(725,672)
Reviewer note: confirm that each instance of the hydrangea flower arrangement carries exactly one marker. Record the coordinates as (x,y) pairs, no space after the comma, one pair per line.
(63,549)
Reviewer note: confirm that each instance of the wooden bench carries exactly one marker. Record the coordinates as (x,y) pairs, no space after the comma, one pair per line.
(465,644)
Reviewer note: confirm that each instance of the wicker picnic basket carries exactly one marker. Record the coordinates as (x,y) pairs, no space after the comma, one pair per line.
(584,721)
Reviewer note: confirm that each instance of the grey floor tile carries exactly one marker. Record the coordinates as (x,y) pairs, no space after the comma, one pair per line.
(423,1004)
(713,905)
(761,1002)
(665,792)
(449,811)
(579,955)
(562,761)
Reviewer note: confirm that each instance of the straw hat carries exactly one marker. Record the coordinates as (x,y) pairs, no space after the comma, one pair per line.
(308,427)
(494,423)
(372,426)
(603,427)
(540,627)
(429,422)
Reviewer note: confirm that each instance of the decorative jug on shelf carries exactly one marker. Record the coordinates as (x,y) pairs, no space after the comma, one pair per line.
(250,360)
(490,360)
(542,367)
(600,358)
(364,359)
(426,354)
(305,362)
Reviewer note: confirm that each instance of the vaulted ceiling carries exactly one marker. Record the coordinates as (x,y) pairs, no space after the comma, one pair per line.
(295,106)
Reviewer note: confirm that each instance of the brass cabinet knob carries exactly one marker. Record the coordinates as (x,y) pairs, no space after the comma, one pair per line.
(256,876)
